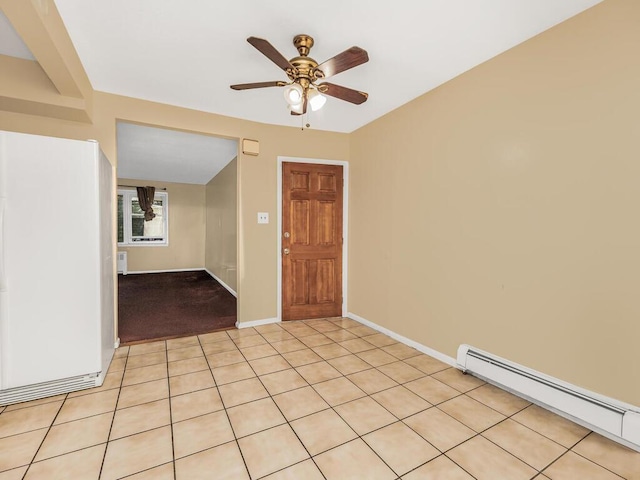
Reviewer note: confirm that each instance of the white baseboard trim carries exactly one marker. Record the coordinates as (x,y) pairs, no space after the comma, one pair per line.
(229,289)
(257,323)
(195,269)
(116,344)
(407,341)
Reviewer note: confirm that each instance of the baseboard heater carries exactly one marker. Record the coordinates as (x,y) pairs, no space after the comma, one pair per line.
(611,418)
(49,389)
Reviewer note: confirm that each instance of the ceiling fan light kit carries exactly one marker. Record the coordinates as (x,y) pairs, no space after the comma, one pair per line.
(303,72)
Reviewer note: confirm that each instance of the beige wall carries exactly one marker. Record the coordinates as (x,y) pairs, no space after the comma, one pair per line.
(186,230)
(501,210)
(221,248)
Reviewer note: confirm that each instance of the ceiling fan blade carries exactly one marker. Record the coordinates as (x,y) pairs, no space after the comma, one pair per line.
(343,93)
(247,86)
(344,61)
(270,52)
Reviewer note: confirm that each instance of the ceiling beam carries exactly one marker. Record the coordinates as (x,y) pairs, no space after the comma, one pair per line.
(41,28)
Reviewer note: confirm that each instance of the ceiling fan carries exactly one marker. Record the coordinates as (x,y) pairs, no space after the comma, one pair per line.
(303,72)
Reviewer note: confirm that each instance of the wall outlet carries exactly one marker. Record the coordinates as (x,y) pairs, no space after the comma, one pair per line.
(263,217)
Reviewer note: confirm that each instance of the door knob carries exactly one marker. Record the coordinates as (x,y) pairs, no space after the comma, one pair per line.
(287,234)
(286,251)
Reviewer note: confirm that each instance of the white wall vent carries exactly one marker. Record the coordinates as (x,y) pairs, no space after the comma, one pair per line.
(122,263)
(611,418)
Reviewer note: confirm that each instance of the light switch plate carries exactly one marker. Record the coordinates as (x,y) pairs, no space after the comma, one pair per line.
(263,217)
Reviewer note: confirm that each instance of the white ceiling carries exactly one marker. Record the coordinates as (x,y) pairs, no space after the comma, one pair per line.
(187,53)
(149,153)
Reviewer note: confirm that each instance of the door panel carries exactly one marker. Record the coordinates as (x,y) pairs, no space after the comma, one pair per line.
(311,240)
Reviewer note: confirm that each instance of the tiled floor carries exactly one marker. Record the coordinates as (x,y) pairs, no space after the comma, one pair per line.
(307,400)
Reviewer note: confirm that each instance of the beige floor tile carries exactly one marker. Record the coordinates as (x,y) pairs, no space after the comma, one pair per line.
(144,374)
(15,474)
(550,425)
(233,373)
(117,364)
(287,346)
(147,416)
(187,366)
(345,322)
(225,460)
(338,391)
(458,380)
(191,382)
(401,351)
(143,393)
(439,429)
(323,430)
(242,392)
(432,390)
(362,330)
(300,402)
(365,415)
(427,364)
(195,404)
(137,453)
(400,447)
(144,348)
(271,450)
(185,353)
(27,419)
(341,335)
(473,414)
(306,470)
(299,330)
(121,352)
(19,450)
(201,433)
(376,357)
(277,336)
(333,350)
(87,405)
(252,341)
(71,436)
(259,351)
(33,403)
(572,466)
(318,372)
(242,332)
(372,381)
(349,364)
(219,347)
(357,345)
(611,455)
(225,358)
(213,337)
(282,381)
(380,340)
(498,399)
(441,468)
(400,401)
(353,461)
(82,464)
(486,461)
(401,372)
(265,365)
(301,357)
(163,472)
(268,328)
(111,380)
(316,340)
(529,446)
(254,417)
(325,326)
(137,361)
(182,342)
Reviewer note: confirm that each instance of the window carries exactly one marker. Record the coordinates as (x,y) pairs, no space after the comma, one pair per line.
(133,230)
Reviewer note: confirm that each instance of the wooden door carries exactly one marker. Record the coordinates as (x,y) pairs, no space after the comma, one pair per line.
(311,241)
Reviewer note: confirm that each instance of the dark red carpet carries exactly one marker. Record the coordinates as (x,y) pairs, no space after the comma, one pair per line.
(165,305)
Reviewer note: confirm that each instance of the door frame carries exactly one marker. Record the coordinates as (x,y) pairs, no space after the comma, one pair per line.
(345,224)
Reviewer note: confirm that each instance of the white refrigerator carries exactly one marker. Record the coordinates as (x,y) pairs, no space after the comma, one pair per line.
(56,266)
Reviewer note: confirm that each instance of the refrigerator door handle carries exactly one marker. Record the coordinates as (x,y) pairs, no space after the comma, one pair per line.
(3,273)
